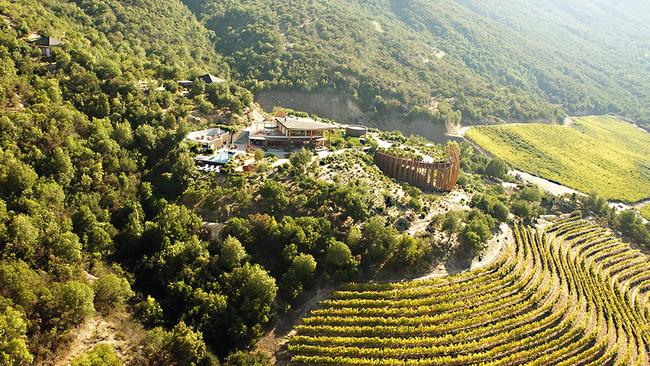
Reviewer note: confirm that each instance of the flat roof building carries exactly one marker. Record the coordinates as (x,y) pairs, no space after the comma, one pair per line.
(209,139)
(290,131)
(45,44)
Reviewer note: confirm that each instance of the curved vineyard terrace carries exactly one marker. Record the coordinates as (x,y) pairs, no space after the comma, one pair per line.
(570,295)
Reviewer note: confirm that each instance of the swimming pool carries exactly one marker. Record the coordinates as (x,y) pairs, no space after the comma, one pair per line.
(220,157)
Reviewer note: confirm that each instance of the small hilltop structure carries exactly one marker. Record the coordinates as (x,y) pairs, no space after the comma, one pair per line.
(206,78)
(45,43)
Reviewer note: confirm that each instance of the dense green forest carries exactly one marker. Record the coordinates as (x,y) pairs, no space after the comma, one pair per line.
(98,196)
(506,59)
(90,164)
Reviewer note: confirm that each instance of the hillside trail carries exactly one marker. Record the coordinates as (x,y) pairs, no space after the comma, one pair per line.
(274,342)
(117,330)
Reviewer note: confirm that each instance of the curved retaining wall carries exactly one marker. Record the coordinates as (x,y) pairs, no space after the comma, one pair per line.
(355,131)
(438,176)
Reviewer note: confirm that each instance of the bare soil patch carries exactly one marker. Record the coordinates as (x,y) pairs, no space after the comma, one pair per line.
(118,330)
(275,341)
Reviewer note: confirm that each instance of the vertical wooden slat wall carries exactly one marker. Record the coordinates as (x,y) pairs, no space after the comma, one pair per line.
(438,176)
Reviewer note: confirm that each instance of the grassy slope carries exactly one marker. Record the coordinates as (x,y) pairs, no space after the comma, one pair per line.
(599,154)
(645,211)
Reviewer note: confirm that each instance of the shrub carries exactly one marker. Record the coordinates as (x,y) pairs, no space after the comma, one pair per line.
(149,312)
(299,275)
(530,194)
(522,209)
(338,254)
(232,253)
(496,168)
(13,336)
(74,301)
(410,250)
(273,195)
(100,355)
(300,160)
(187,346)
(476,232)
(378,240)
(242,358)
(111,291)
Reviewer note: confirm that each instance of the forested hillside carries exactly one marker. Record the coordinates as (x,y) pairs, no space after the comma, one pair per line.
(100,197)
(89,165)
(506,59)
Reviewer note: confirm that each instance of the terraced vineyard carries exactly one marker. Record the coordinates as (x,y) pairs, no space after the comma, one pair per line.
(572,295)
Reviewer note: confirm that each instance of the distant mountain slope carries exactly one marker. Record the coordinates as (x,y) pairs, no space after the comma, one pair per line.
(505,59)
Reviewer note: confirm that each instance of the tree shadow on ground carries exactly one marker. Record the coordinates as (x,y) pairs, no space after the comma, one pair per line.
(460,261)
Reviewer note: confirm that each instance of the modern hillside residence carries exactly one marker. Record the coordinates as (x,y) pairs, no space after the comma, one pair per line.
(210,79)
(290,131)
(210,139)
(207,79)
(45,44)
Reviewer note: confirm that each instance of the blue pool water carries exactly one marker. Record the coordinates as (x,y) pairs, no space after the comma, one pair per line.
(221,157)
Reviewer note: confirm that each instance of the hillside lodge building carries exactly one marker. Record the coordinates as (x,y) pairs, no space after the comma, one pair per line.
(290,131)
(206,78)
(45,44)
